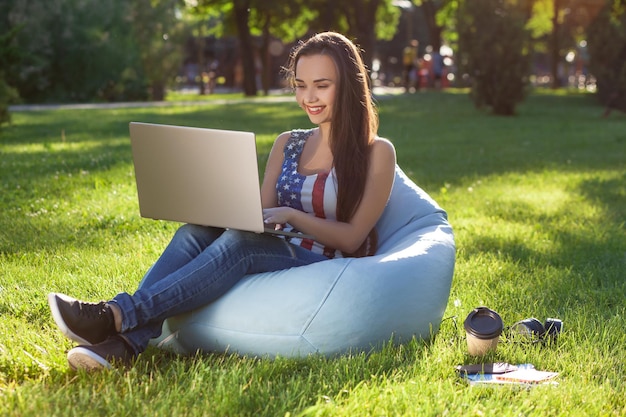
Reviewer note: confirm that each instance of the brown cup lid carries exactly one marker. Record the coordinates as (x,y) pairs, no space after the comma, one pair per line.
(483,323)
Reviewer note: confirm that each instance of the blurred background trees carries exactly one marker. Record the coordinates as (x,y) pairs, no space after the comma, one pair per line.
(494,52)
(85,50)
(123,50)
(607,48)
(158,34)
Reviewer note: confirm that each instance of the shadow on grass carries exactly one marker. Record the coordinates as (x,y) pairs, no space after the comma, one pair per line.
(580,264)
(611,196)
(439,137)
(576,267)
(442,138)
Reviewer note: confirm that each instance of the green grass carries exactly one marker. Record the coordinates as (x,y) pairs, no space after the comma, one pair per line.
(538,203)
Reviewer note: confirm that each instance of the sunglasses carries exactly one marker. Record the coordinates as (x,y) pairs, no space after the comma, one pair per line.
(537,331)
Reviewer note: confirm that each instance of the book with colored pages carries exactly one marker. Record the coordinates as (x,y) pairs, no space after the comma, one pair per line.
(505,374)
(526,376)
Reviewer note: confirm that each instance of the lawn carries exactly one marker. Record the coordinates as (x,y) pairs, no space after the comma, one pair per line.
(537,202)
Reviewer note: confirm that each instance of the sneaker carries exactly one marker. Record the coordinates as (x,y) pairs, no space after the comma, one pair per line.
(85,323)
(105,355)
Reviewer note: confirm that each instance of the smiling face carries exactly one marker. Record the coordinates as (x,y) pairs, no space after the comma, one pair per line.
(316,83)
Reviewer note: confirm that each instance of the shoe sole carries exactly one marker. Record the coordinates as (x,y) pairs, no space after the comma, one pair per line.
(82,358)
(58,318)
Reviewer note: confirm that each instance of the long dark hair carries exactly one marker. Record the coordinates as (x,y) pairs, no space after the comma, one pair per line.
(354,123)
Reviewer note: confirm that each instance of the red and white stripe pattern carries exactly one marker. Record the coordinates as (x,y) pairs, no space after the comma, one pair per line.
(315,194)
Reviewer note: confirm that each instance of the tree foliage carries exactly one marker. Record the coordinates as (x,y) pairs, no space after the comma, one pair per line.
(607,50)
(362,20)
(85,50)
(557,26)
(159,35)
(439,14)
(494,53)
(254,23)
(70,50)
(89,50)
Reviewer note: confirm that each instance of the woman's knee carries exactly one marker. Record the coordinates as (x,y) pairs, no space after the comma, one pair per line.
(200,235)
(249,243)
(242,237)
(190,229)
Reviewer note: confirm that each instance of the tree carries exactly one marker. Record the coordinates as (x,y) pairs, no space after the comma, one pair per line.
(362,20)
(159,34)
(241,11)
(74,50)
(200,18)
(494,52)
(9,58)
(90,50)
(287,22)
(607,50)
(435,11)
(235,19)
(557,26)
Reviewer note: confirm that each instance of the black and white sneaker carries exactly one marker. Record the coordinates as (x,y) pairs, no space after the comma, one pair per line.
(113,351)
(85,323)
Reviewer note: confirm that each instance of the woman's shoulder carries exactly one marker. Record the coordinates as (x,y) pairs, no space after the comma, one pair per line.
(383,142)
(300,135)
(382,157)
(295,136)
(383,149)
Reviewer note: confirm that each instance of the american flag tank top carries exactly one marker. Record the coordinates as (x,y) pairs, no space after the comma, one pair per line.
(314,194)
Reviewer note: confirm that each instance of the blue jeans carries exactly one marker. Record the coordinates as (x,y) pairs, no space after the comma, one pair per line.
(198,266)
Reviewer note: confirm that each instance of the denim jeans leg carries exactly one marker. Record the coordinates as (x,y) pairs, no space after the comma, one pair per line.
(203,279)
(188,242)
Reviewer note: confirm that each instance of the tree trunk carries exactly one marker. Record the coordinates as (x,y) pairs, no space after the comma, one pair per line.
(201,63)
(265,56)
(555,54)
(246,48)
(364,29)
(157,90)
(434,31)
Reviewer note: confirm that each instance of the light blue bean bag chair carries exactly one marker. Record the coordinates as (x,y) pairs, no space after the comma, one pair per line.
(340,305)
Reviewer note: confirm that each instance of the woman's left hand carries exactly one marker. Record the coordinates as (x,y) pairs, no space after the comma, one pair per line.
(277,215)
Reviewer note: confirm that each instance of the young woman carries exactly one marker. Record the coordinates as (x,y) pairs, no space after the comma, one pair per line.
(332,181)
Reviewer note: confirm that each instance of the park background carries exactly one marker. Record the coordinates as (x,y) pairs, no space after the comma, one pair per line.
(536,198)
(120,50)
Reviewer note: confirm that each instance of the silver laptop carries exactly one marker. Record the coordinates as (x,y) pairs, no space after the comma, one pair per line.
(208,177)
